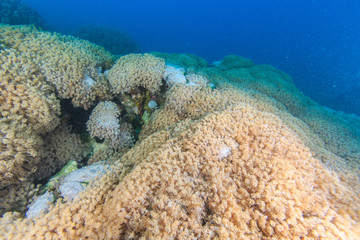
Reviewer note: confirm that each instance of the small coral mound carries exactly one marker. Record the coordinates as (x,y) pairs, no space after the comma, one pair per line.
(137,70)
(104,123)
(183,89)
(180,96)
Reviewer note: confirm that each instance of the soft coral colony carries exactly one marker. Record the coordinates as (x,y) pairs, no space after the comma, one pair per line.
(230,150)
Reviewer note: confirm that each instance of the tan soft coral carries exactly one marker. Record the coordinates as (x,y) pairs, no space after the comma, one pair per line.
(29,108)
(239,173)
(137,70)
(19,154)
(72,65)
(20,150)
(180,96)
(192,101)
(183,59)
(60,146)
(340,135)
(26,99)
(26,156)
(75,68)
(17,197)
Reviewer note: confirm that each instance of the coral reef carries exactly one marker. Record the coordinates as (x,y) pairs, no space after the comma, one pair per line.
(230,150)
(113,40)
(325,124)
(36,69)
(137,70)
(239,173)
(19,154)
(17,197)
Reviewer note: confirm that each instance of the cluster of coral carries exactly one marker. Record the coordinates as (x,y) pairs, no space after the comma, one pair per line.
(189,150)
(40,73)
(37,70)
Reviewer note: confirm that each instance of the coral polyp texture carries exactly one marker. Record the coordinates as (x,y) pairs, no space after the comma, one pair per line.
(74,67)
(60,146)
(25,93)
(230,150)
(28,108)
(137,70)
(104,123)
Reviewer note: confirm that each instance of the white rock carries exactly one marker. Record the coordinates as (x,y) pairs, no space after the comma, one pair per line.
(76,182)
(106,73)
(40,206)
(224,152)
(216,63)
(152,104)
(174,74)
(88,81)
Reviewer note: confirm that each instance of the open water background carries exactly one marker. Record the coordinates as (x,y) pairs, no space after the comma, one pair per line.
(317,42)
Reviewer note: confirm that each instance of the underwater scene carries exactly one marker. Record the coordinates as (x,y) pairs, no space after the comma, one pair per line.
(179,119)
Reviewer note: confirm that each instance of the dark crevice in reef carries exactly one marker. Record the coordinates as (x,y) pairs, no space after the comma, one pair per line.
(76,117)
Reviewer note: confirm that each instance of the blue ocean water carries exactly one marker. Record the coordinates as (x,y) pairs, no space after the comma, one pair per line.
(317,42)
